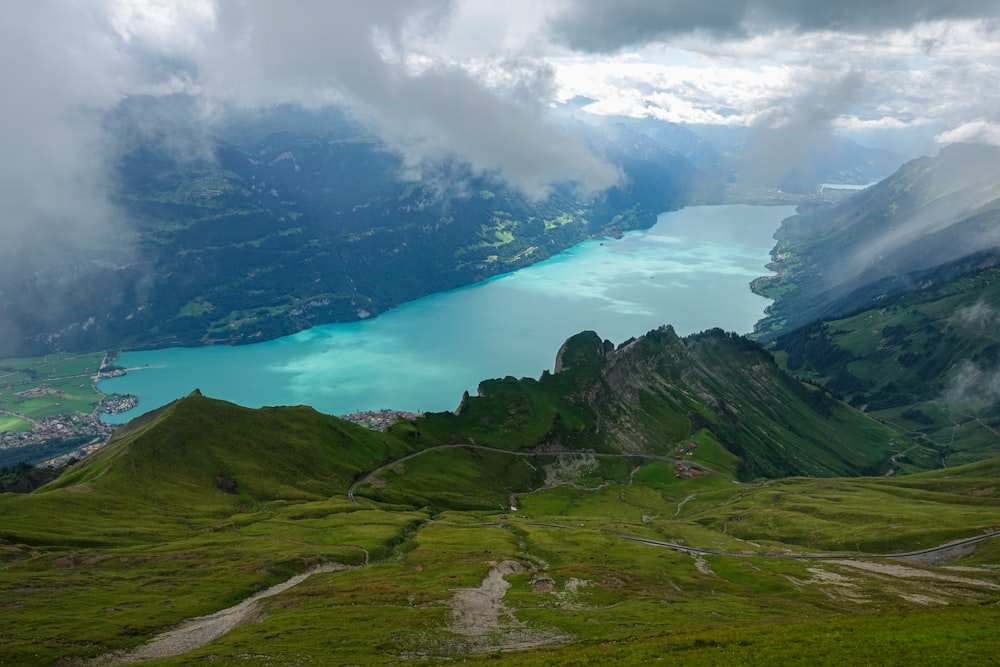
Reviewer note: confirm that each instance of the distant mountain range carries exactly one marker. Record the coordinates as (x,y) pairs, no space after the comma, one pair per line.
(890,300)
(271,222)
(931,213)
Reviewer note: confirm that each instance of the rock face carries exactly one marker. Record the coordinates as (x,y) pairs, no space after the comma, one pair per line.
(651,393)
(582,348)
(656,390)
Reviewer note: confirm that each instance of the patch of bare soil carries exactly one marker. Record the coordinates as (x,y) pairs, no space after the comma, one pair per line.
(904,572)
(484,623)
(197,632)
(835,586)
(702,565)
(567,468)
(942,556)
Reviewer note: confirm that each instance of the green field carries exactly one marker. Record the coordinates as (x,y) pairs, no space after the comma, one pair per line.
(203,503)
(13,424)
(924,360)
(59,384)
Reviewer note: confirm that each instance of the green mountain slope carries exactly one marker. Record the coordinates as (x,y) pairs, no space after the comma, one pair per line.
(926,360)
(196,460)
(146,536)
(931,212)
(655,393)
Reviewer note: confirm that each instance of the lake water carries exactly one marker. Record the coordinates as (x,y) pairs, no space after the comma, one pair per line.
(691,270)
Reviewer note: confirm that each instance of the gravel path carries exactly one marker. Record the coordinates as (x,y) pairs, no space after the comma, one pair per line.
(196,632)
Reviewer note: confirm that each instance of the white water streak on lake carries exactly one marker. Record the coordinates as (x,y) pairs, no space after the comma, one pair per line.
(691,270)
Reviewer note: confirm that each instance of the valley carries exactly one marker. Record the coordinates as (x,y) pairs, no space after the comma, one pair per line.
(688,499)
(199,506)
(511,334)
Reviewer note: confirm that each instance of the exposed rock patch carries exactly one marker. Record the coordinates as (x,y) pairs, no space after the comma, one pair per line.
(480,617)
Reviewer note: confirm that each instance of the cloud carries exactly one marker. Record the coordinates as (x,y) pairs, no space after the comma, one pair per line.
(979,315)
(974,132)
(603,27)
(430,110)
(973,389)
(54,69)
(459,81)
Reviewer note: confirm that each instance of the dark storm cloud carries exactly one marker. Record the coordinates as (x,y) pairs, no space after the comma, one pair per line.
(600,26)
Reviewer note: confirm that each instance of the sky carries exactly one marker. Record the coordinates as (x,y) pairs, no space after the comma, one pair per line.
(476,80)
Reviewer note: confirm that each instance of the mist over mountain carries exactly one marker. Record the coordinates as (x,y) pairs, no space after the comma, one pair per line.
(932,212)
(274,221)
(202,172)
(454,97)
(264,222)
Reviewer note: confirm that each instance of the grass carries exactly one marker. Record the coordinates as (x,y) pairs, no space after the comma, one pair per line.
(10,424)
(58,384)
(921,360)
(204,503)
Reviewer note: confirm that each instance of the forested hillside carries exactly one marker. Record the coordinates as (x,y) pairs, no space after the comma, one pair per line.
(275,221)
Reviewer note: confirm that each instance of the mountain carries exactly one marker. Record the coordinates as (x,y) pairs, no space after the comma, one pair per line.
(737,163)
(280,535)
(272,222)
(259,224)
(793,162)
(656,393)
(927,360)
(931,213)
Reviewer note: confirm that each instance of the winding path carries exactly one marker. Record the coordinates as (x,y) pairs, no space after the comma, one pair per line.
(366,479)
(672,545)
(810,556)
(196,632)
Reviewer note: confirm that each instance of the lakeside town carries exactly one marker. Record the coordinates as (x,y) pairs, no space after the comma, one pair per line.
(53,411)
(62,429)
(379,420)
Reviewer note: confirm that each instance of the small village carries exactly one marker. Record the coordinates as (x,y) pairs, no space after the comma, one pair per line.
(378,420)
(685,471)
(86,429)
(53,439)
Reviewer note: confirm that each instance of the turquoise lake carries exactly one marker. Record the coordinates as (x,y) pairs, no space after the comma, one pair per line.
(691,270)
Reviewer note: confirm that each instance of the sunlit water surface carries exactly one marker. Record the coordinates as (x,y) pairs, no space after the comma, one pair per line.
(690,270)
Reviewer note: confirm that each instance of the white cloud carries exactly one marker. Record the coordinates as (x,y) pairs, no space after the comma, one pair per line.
(976,132)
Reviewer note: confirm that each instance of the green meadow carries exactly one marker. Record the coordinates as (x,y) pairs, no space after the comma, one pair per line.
(202,504)
(56,384)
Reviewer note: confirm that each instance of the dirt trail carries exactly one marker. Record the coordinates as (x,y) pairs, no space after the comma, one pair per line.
(197,632)
(905,572)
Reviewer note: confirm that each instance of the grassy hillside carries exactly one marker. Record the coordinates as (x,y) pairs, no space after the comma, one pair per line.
(660,392)
(931,212)
(203,503)
(926,360)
